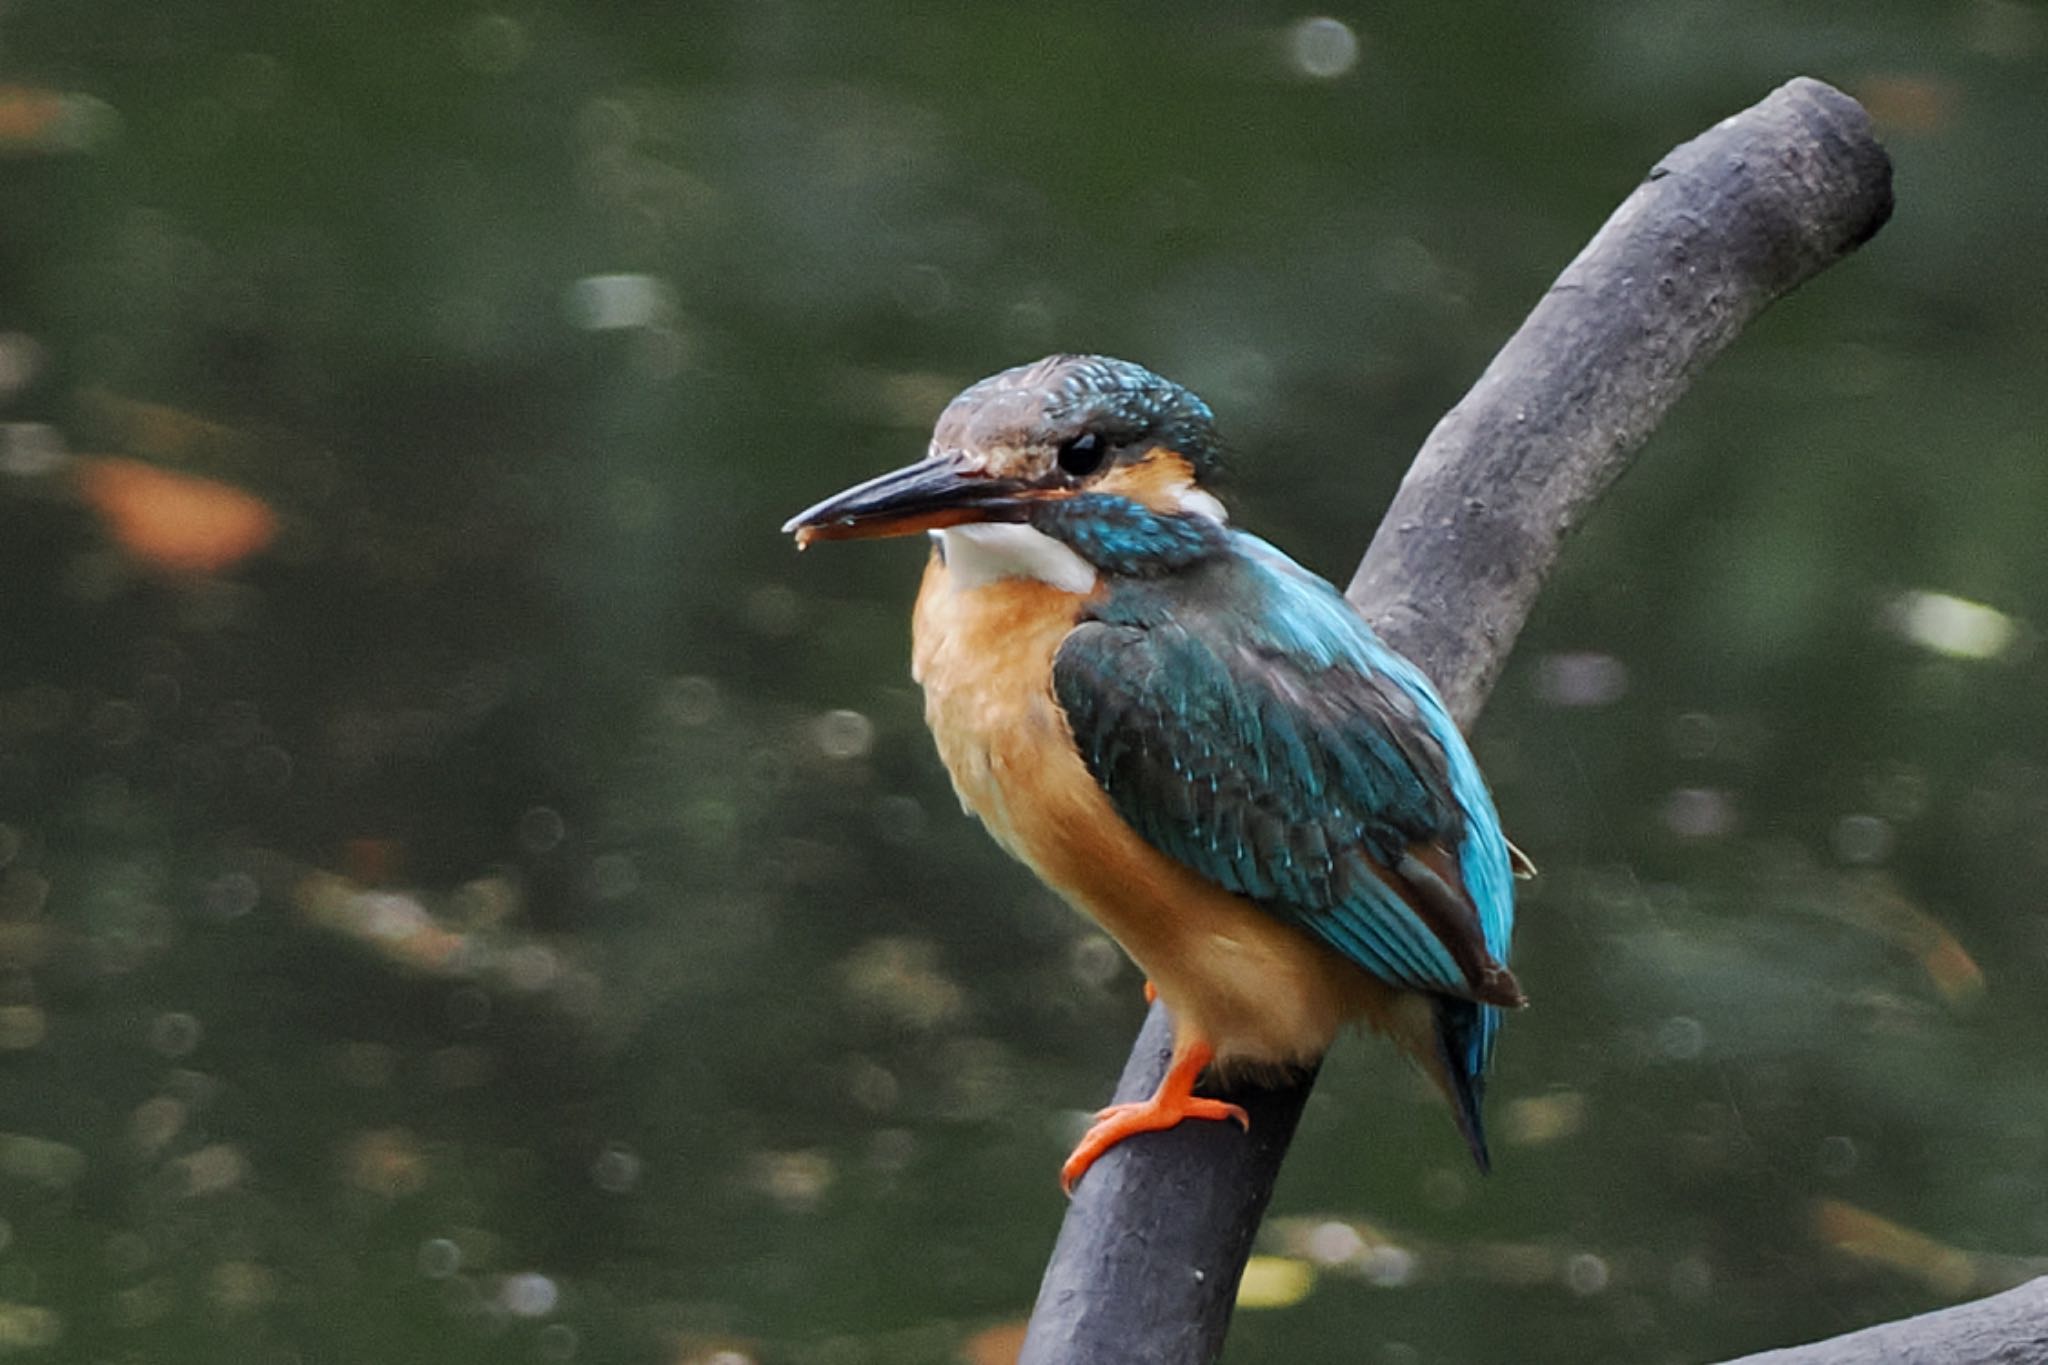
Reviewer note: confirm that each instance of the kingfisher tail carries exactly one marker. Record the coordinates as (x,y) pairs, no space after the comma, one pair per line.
(1462,1028)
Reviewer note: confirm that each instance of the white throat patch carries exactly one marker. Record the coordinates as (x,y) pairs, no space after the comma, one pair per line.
(1203,504)
(987,551)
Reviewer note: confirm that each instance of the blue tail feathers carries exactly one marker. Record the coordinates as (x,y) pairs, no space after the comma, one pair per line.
(1462,1033)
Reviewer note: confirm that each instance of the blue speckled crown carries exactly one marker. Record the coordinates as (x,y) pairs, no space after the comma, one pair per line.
(1059,397)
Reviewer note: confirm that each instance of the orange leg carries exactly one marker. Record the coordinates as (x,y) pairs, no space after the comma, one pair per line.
(1173,1101)
(1151,992)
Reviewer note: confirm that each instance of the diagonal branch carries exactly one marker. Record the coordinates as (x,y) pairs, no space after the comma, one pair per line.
(2005,1329)
(1147,1263)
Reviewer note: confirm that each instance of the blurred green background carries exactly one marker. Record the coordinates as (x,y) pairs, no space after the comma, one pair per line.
(517,915)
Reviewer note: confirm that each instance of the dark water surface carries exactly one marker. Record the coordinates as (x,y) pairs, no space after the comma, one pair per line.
(517,916)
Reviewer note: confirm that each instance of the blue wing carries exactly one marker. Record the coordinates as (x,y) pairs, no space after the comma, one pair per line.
(1247,722)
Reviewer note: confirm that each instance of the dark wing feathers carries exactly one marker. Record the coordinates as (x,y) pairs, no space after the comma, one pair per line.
(1314,788)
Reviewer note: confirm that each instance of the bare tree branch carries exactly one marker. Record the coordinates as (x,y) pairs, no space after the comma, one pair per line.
(1725,224)
(1146,1268)
(2005,1329)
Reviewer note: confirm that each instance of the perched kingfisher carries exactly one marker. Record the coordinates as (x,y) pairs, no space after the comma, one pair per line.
(1194,740)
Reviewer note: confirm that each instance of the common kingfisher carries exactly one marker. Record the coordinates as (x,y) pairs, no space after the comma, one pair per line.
(1194,740)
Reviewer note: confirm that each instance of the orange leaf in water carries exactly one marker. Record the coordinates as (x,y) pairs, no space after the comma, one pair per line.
(175,521)
(27,115)
(997,1345)
(1904,102)
(1870,1237)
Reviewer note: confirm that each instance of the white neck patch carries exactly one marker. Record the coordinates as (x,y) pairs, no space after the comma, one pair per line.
(983,552)
(1203,504)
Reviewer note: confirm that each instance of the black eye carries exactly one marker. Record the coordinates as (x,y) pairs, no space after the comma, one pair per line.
(1082,456)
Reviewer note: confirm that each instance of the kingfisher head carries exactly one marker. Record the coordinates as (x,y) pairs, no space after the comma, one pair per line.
(1102,455)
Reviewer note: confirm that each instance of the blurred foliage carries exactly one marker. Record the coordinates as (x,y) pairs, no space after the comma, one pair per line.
(513,912)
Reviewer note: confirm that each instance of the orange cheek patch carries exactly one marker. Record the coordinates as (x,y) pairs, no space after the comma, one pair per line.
(1159,479)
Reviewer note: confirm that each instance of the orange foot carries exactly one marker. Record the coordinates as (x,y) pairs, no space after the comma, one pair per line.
(1151,992)
(1173,1101)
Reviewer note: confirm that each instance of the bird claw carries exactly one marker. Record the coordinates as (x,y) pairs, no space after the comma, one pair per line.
(1194,1108)
(1119,1121)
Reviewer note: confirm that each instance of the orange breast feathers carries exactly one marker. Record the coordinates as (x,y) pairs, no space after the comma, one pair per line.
(1259,992)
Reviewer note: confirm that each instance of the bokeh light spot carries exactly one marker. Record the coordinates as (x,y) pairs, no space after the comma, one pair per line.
(1389,1266)
(30,450)
(541,830)
(1949,625)
(155,1122)
(529,1295)
(439,1257)
(1095,960)
(900,979)
(387,1162)
(1861,840)
(613,876)
(22,1027)
(495,45)
(603,303)
(1586,1274)
(21,359)
(1275,1282)
(843,734)
(795,1180)
(871,1086)
(174,1034)
(900,820)
(1321,47)
(1334,1243)
(213,1169)
(531,967)
(690,701)
(232,895)
(1578,679)
(241,1286)
(1698,813)
(40,1161)
(1533,1120)
(616,1169)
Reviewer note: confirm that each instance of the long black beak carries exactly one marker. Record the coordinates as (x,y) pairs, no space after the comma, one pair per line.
(919,497)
